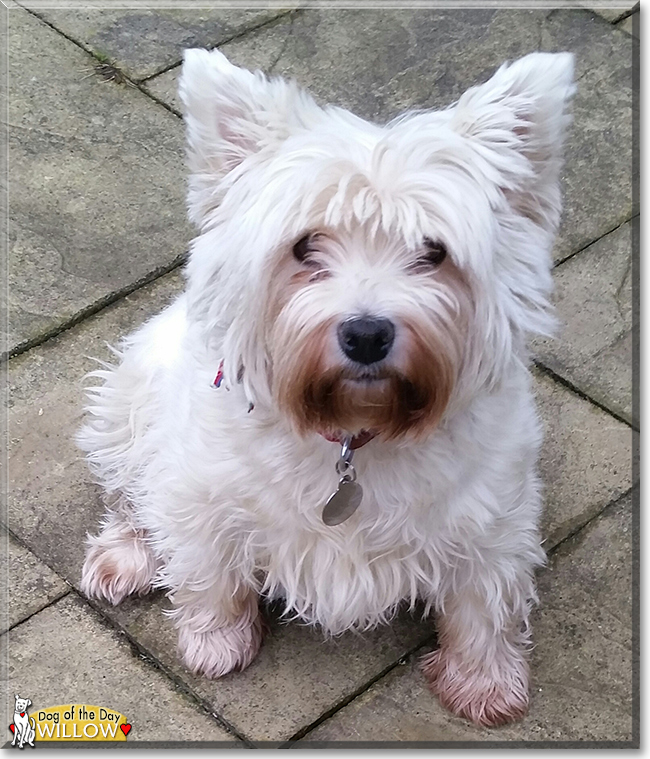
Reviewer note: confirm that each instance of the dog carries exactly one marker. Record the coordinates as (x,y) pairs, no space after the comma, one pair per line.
(355,290)
(24,725)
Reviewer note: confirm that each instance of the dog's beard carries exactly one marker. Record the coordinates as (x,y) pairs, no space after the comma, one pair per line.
(390,400)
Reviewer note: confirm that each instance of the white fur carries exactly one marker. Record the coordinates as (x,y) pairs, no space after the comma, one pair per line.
(228,503)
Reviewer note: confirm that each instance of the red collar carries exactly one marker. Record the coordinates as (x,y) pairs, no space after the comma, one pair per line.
(365,436)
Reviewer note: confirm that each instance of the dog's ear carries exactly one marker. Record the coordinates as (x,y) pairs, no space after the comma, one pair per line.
(517,121)
(231,114)
(29,702)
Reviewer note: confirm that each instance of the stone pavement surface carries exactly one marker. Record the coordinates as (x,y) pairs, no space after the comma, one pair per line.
(97,229)
(582,659)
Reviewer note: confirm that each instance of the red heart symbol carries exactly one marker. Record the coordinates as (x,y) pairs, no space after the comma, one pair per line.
(22,714)
(125,728)
(12,728)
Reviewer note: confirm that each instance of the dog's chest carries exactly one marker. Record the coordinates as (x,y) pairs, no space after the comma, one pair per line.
(356,573)
(344,581)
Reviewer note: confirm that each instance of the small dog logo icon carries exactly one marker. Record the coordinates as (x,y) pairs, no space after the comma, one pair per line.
(24,727)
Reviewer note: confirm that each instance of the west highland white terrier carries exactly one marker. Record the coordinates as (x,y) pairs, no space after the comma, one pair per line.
(337,412)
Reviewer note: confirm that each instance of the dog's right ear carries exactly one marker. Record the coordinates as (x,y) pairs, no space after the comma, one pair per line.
(232,114)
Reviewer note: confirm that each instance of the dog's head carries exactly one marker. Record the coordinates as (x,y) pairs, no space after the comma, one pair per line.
(364,277)
(22,704)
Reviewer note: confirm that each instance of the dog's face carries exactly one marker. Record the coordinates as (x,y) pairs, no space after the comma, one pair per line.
(22,704)
(360,277)
(365,332)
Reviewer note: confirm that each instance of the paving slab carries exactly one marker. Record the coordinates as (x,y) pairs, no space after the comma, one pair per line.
(142,42)
(581,664)
(593,349)
(31,584)
(631,25)
(98,183)
(359,59)
(298,677)
(45,398)
(67,654)
(613,13)
(598,177)
(380,63)
(585,461)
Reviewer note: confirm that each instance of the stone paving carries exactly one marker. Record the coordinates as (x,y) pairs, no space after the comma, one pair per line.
(97,231)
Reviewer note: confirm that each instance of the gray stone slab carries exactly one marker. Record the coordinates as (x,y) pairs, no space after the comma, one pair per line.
(593,349)
(97,183)
(297,675)
(585,462)
(52,504)
(631,25)
(31,584)
(598,177)
(380,63)
(581,664)
(67,654)
(612,13)
(53,500)
(360,59)
(144,41)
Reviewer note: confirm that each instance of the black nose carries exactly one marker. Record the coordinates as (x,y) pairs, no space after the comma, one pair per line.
(366,339)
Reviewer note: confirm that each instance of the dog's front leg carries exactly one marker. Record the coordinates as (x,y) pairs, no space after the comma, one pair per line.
(220,629)
(480,670)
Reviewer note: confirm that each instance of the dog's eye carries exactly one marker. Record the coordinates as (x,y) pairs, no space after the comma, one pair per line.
(436,252)
(303,248)
(306,251)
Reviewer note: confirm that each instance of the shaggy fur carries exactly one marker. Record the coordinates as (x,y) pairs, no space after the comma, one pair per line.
(309,217)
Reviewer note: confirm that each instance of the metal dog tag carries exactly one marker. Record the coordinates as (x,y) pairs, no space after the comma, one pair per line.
(347,497)
(342,504)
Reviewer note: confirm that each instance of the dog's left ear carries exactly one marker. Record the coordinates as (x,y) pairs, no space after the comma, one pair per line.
(232,114)
(517,121)
(29,702)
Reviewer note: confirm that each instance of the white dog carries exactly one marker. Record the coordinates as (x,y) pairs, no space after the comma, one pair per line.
(372,286)
(24,725)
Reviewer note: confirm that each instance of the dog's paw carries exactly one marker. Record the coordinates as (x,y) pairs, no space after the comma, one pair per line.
(481,697)
(216,652)
(118,563)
